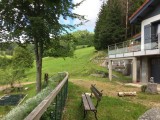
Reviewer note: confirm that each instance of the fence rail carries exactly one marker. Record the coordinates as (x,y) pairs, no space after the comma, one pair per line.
(56,99)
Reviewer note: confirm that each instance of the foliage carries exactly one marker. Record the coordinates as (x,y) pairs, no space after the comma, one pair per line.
(34,22)
(22,58)
(111,23)
(7,48)
(143,88)
(13,69)
(4,62)
(83,37)
(61,47)
(109,27)
(10,75)
(65,45)
(21,111)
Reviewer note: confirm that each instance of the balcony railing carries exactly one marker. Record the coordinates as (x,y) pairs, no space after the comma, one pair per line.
(124,47)
(131,46)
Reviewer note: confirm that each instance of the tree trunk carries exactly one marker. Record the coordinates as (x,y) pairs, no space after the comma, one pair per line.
(38,55)
(126,32)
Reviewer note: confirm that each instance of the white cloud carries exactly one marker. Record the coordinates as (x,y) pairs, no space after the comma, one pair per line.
(89,8)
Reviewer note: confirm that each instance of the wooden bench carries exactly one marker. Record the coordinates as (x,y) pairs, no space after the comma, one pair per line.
(87,102)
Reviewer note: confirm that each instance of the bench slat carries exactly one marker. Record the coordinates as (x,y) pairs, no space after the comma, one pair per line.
(85,102)
(93,86)
(96,94)
(92,107)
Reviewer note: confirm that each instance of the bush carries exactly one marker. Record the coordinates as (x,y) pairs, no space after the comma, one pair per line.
(21,111)
(143,88)
(4,62)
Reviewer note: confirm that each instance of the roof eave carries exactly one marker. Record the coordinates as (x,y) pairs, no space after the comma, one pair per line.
(135,16)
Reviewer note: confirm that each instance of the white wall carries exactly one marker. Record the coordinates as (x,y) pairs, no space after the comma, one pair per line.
(146,22)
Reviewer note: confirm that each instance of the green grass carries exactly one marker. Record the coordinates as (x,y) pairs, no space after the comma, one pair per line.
(79,66)
(109,108)
(151,97)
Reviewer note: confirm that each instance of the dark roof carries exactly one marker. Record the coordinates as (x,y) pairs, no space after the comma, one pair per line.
(143,10)
(137,36)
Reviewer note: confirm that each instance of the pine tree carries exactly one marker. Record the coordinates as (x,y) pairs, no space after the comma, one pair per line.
(109,26)
(113,25)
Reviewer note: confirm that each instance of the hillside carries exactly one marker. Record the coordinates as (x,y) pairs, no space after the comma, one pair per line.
(79,66)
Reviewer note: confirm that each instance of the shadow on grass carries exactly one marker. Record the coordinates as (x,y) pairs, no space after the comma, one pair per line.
(109,108)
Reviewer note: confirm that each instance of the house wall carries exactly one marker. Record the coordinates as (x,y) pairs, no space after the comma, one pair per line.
(144,23)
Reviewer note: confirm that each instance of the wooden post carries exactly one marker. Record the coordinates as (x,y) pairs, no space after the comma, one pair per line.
(46,78)
(110,70)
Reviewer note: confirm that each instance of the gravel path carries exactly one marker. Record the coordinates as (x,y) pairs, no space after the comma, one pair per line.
(152,114)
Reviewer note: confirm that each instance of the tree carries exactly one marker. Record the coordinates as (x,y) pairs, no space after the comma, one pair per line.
(13,69)
(112,25)
(10,75)
(109,26)
(83,37)
(61,47)
(5,62)
(33,21)
(22,58)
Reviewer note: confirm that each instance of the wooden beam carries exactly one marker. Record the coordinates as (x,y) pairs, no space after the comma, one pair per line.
(42,107)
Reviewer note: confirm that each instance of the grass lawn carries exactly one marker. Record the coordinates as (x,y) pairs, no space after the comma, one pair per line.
(79,66)
(109,108)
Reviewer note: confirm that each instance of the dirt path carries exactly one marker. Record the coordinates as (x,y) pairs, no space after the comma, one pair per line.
(2,87)
(111,89)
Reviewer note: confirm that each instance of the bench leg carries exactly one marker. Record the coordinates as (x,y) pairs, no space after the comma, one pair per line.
(95,113)
(81,103)
(85,112)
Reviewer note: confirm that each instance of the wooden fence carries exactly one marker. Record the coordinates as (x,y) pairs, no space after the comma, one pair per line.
(56,99)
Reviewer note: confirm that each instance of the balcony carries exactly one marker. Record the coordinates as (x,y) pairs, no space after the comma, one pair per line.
(133,48)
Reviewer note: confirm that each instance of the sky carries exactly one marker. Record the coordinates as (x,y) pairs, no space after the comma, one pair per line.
(90,9)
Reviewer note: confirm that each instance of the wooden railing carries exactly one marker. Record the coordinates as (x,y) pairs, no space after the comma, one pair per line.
(56,98)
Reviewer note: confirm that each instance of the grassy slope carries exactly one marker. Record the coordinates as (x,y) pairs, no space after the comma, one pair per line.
(79,66)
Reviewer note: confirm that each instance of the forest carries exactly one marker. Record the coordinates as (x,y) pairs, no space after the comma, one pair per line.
(112,25)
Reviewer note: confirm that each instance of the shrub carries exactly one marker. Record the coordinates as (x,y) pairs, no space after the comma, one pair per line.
(21,111)
(4,62)
(143,88)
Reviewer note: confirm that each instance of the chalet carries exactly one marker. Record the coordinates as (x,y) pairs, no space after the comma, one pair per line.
(144,49)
